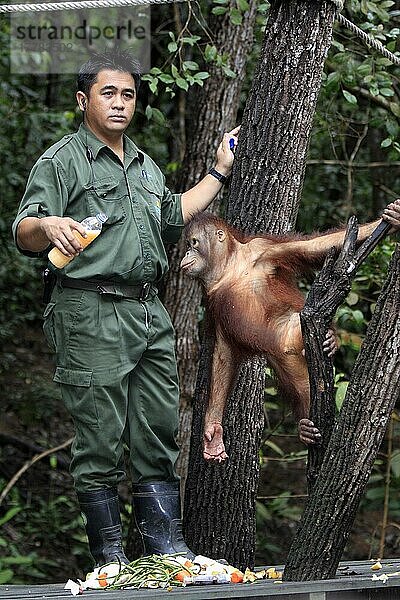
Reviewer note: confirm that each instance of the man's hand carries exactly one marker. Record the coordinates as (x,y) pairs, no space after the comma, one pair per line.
(60,232)
(225,155)
(391,214)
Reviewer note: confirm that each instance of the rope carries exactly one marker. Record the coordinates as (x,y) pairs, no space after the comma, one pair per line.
(71,5)
(369,40)
(365,37)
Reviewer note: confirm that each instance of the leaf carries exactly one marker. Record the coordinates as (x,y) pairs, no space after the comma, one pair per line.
(228,72)
(182,83)
(10,514)
(191,40)
(333,80)
(392,127)
(202,75)
(17,560)
(6,575)
(386,92)
(395,108)
(191,65)
(395,463)
(338,45)
(219,10)
(352,299)
(364,69)
(236,16)
(174,71)
(165,78)
(148,112)
(158,116)
(386,143)
(274,447)
(383,62)
(341,393)
(153,86)
(243,5)
(349,97)
(172,47)
(210,53)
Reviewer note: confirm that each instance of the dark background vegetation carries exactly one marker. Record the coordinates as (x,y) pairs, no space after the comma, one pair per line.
(353,167)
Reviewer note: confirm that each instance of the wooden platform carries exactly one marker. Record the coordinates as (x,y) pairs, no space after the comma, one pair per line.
(353,582)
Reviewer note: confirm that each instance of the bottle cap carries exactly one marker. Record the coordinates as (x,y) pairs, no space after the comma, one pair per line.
(102,217)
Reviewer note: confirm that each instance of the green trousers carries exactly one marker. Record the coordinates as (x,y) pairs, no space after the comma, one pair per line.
(117,371)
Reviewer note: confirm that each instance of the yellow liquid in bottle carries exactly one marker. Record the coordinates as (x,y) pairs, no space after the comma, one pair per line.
(59,259)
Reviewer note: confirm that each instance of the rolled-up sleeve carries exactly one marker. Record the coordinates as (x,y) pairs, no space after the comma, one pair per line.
(46,194)
(171,217)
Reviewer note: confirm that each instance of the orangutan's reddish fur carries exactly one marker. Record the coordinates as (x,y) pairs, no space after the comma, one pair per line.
(254,301)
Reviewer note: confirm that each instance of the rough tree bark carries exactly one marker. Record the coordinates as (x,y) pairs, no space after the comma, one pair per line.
(265,192)
(372,393)
(214,109)
(329,291)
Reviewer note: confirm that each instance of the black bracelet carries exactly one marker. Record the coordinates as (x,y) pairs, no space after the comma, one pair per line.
(221,178)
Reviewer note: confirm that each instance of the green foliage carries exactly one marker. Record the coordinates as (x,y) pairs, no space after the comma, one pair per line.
(28,124)
(36,538)
(357,123)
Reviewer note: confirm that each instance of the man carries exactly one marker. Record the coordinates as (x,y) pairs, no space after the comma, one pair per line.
(112,336)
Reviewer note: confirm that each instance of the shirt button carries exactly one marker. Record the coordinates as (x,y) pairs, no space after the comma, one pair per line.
(141,227)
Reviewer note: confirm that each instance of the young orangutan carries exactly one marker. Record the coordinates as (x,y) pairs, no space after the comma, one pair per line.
(254,301)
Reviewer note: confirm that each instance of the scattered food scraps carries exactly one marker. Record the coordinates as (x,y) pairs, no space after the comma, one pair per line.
(164,572)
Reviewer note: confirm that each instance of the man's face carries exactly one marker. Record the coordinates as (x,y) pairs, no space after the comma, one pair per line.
(111,103)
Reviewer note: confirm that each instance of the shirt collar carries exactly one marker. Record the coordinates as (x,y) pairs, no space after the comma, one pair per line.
(90,140)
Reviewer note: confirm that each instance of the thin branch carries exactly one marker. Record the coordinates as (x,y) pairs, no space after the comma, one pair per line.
(357,165)
(24,445)
(387,489)
(28,464)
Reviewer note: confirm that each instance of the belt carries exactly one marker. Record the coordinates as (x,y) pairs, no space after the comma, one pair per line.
(141,291)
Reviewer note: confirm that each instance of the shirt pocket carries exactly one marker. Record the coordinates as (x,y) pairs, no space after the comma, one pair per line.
(153,197)
(107,195)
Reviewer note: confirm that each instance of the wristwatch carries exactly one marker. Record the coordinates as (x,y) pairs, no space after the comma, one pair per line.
(222,178)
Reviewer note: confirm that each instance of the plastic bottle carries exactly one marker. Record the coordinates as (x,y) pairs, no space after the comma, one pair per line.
(92,227)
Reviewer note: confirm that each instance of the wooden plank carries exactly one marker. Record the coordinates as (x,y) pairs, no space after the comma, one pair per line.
(353,582)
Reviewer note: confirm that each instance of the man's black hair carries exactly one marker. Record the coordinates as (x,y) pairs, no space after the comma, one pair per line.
(113,60)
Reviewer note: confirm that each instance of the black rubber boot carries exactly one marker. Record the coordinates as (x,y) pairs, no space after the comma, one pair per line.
(157,510)
(100,511)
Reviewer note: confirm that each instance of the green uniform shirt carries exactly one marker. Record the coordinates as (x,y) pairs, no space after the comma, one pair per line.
(80,176)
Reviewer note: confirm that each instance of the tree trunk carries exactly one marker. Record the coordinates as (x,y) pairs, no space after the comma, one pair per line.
(213,111)
(265,193)
(372,393)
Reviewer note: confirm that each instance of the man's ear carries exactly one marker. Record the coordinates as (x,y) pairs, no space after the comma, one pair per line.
(81,100)
(221,234)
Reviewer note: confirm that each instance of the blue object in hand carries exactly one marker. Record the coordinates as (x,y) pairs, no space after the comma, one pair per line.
(232,144)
